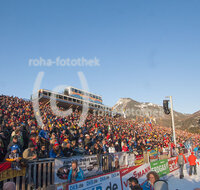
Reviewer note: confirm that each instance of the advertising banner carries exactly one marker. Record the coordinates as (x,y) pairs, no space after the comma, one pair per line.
(172,165)
(153,156)
(161,167)
(130,159)
(139,161)
(139,172)
(121,158)
(104,182)
(89,165)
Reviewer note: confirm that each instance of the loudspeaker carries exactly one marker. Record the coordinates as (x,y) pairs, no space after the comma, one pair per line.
(166,107)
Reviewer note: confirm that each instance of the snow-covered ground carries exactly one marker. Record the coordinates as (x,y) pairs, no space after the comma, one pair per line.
(187,183)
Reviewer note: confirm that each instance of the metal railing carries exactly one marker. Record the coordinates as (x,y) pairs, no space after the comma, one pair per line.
(40,173)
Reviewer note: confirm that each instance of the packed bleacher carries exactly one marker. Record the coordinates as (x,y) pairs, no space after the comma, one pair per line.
(63,137)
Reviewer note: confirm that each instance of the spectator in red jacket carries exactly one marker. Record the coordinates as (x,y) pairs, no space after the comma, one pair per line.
(192,161)
(125,148)
(181,161)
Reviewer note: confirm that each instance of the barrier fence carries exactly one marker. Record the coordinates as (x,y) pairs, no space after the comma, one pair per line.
(42,173)
(119,179)
(36,175)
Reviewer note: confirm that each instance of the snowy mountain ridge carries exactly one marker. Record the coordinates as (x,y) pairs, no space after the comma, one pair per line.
(131,109)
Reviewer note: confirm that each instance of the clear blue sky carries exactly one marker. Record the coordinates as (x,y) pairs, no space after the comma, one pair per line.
(147,49)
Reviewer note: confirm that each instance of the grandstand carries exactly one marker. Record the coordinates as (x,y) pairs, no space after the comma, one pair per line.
(81,94)
(103,145)
(74,98)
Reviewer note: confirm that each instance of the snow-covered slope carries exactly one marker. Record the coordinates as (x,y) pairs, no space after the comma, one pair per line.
(121,103)
(128,103)
(187,183)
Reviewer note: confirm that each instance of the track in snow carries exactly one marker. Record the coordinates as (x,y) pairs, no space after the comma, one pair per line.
(187,183)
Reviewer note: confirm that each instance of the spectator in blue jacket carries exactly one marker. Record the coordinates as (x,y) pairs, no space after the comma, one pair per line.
(196,150)
(44,136)
(152,177)
(75,173)
(56,151)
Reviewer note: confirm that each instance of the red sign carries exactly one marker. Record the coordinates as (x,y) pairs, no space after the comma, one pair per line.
(5,166)
(139,172)
(172,165)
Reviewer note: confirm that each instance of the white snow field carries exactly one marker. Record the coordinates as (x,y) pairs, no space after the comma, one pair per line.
(187,183)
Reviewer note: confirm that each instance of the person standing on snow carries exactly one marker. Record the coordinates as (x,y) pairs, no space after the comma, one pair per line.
(192,161)
(181,161)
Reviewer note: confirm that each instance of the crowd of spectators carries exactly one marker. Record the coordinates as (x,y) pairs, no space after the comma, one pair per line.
(21,136)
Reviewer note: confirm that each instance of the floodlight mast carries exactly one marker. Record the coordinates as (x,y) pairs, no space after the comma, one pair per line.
(172,116)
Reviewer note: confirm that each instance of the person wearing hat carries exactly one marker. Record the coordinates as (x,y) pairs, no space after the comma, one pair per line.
(117,147)
(192,161)
(14,157)
(56,151)
(30,153)
(14,141)
(87,140)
